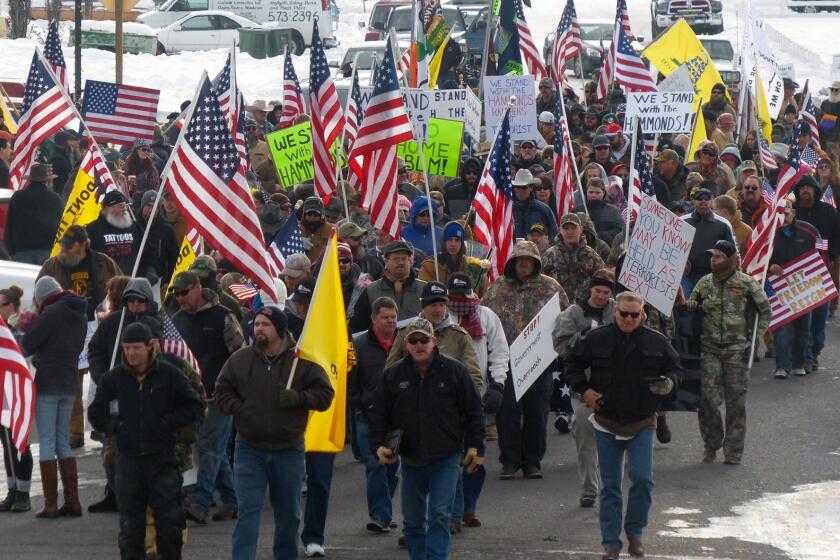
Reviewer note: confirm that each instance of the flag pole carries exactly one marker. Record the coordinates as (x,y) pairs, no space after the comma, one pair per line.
(582,77)
(340,172)
(636,130)
(568,146)
(485,54)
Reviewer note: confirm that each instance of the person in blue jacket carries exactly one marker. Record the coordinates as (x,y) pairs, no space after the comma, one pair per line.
(527,210)
(418,232)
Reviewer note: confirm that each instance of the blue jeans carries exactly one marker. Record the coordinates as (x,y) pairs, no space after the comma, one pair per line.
(319,472)
(282,472)
(467,492)
(816,342)
(213,465)
(52,414)
(381,479)
(791,341)
(611,463)
(427,495)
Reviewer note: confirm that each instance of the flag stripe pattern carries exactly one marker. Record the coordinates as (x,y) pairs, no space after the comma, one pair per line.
(606,77)
(623,16)
(629,71)
(45,111)
(808,265)
(567,42)
(119,113)
(55,56)
(174,343)
(355,115)
(17,399)
(94,165)
(208,183)
(327,117)
(286,242)
(527,46)
(493,202)
(641,180)
(293,103)
(828,197)
(224,86)
(768,161)
(809,115)
(564,177)
(243,292)
(374,155)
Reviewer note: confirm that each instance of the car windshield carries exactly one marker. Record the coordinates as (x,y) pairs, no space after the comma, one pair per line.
(365,60)
(718,50)
(596,31)
(401,19)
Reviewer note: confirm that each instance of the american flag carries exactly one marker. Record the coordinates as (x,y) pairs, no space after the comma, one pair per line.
(629,69)
(564,174)
(224,86)
(55,57)
(174,343)
(94,165)
(828,197)
(286,242)
(327,118)
(623,16)
(17,400)
(119,113)
(781,289)
(46,109)
(768,160)
(239,134)
(606,77)
(243,292)
(293,103)
(493,202)
(207,181)
(374,155)
(567,43)
(760,246)
(809,115)
(355,115)
(527,46)
(641,180)
(809,155)
(767,192)
(194,238)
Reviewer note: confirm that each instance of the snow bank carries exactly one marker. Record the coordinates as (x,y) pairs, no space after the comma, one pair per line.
(109,26)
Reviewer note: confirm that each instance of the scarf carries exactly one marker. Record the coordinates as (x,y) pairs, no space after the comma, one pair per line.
(466,308)
(725,269)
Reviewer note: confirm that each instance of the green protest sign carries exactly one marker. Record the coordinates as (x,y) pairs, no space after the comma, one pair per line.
(291,150)
(441,150)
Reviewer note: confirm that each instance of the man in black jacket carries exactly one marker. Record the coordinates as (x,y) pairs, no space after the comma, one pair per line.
(632,367)
(143,402)
(161,250)
(372,348)
(116,234)
(709,228)
(33,217)
(432,401)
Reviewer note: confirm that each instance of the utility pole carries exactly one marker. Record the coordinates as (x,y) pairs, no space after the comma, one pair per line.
(77,50)
(118,40)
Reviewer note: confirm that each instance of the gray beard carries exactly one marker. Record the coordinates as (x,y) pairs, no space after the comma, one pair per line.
(121,222)
(69,261)
(834,97)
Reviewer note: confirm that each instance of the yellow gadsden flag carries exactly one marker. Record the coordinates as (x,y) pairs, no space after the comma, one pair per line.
(82,207)
(7,116)
(698,134)
(324,340)
(677,46)
(762,110)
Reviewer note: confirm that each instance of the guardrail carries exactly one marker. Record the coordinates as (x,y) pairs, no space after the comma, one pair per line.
(791,47)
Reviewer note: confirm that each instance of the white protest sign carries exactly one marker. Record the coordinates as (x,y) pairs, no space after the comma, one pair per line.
(662,111)
(422,104)
(83,357)
(533,349)
(656,255)
(523,114)
(416,100)
(472,125)
(679,80)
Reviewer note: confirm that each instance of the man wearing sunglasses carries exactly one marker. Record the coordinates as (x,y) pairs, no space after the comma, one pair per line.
(431,399)
(527,210)
(707,164)
(631,367)
(601,154)
(709,228)
(752,204)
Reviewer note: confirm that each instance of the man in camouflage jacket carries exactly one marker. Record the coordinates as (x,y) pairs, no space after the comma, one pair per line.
(572,262)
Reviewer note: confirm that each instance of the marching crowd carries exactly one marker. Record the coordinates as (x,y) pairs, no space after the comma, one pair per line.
(429,384)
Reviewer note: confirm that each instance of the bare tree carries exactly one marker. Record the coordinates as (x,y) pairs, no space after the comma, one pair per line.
(88,9)
(20,14)
(53,10)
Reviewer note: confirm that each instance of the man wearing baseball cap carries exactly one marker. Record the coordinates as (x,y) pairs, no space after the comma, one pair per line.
(619,144)
(601,153)
(116,233)
(709,228)
(354,235)
(572,262)
(671,171)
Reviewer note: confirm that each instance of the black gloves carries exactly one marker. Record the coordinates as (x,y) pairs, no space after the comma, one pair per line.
(492,399)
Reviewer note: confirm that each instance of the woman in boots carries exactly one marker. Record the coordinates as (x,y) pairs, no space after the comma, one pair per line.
(55,340)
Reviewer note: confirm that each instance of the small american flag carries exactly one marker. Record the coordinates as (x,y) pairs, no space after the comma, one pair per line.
(374,155)
(243,292)
(527,46)
(174,343)
(810,156)
(327,117)
(119,113)
(821,244)
(567,43)
(17,389)
(94,165)
(781,289)
(564,177)
(629,69)
(46,109)
(768,160)
(641,180)
(809,115)
(493,202)
(767,192)
(828,197)
(54,55)
(287,241)
(293,103)
(623,16)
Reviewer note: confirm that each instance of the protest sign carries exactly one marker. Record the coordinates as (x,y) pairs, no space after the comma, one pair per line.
(291,150)
(533,349)
(663,111)
(423,104)
(82,207)
(84,363)
(418,103)
(656,255)
(472,124)
(523,114)
(441,149)
(804,285)
(679,80)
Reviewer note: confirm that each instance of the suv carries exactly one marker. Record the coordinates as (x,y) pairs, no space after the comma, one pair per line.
(723,57)
(379,16)
(704,16)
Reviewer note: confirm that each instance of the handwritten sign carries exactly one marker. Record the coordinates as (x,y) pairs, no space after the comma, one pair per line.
(656,255)
(523,114)
(472,124)
(291,150)
(441,149)
(804,285)
(423,105)
(678,80)
(533,350)
(663,111)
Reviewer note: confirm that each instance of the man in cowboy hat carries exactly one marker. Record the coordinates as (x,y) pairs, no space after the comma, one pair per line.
(259,111)
(33,217)
(527,210)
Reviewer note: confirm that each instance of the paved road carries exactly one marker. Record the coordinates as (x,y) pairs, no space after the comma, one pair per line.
(792,440)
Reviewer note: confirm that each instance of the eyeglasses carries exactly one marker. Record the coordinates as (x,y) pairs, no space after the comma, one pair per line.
(633,314)
(541,188)
(250,128)
(135,299)
(823,166)
(520,187)
(343,261)
(424,213)
(415,340)
(527,146)
(709,153)
(750,188)
(143,149)
(181,293)
(602,148)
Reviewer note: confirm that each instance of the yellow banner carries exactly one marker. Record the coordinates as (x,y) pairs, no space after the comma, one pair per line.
(762,110)
(325,431)
(697,135)
(186,256)
(7,116)
(81,208)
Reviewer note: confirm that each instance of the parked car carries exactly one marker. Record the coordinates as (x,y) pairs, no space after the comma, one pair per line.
(401,22)
(809,7)
(23,275)
(199,31)
(380,13)
(366,55)
(596,36)
(722,54)
(704,16)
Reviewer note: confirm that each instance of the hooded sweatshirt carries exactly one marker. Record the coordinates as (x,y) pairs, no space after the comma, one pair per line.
(420,236)
(457,195)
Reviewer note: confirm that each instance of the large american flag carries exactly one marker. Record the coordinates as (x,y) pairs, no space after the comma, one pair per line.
(46,110)
(623,16)
(207,181)
(809,114)
(293,102)
(17,399)
(327,117)
(119,113)
(567,43)
(527,46)
(93,163)
(493,202)
(174,343)
(287,241)
(564,174)
(641,180)
(374,155)
(809,265)
(629,70)
(760,246)
(54,55)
